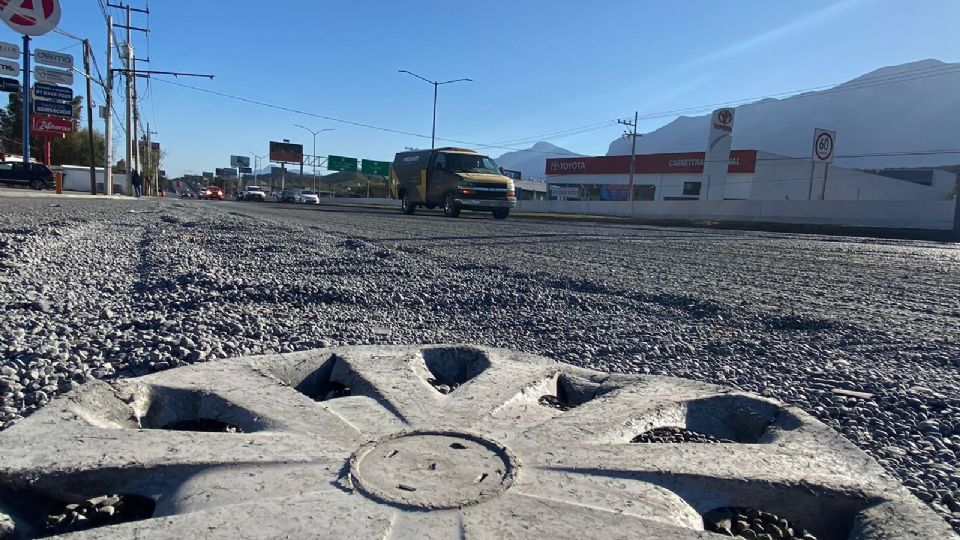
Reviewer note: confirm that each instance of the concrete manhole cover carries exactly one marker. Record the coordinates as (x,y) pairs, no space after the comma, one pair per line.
(436,442)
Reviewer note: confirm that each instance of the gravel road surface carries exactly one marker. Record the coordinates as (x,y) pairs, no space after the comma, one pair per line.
(862,333)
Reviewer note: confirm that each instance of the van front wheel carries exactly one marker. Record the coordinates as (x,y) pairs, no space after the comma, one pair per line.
(407,206)
(450,207)
(501,213)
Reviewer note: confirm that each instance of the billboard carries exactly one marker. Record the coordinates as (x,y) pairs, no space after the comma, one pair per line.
(741,161)
(50,125)
(239,161)
(510,173)
(226,173)
(284,152)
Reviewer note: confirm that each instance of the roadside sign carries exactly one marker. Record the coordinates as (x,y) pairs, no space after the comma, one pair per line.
(515,175)
(208,175)
(31,17)
(239,161)
(52,91)
(53,108)
(53,76)
(9,68)
(824,142)
(104,113)
(378,168)
(53,58)
(570,192)
(226,173)
(284,152)
(9,50)
(246,170)
(340,163)
(9,85)
(50,125)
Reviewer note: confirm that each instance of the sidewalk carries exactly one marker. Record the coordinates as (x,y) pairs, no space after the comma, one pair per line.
(26,193)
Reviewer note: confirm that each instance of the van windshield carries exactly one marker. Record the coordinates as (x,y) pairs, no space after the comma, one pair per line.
(470,163)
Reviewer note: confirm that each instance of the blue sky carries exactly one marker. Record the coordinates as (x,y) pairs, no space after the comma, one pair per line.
(539,67)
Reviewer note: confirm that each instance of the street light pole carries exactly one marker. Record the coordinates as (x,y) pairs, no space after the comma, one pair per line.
(256,168)
(436,85)
(314,150)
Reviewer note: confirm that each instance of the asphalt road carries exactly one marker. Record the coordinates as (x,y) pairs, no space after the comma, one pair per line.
(117,288)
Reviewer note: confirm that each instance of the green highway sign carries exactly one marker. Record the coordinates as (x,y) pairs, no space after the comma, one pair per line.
(340,163)
(378,168)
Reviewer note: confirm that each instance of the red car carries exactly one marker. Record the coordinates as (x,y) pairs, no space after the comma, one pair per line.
(212,193)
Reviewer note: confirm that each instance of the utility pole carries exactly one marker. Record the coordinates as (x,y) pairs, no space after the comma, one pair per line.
(130,65)
(153,164)
(633,151)
(93,158)
(25,92)
(108,121)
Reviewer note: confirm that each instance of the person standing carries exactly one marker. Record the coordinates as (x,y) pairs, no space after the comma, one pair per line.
(137,183)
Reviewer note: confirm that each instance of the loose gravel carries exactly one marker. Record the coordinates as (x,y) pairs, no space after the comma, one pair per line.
(676,436)
(861,333)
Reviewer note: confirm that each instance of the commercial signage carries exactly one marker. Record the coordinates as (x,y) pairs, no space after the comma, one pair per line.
(246,170)
(340,163)
(52,91)
(741,161)
(31,17)
(9,68)
(226,173)
(208,175)
(9,50)
(53,76)
(50,125)
(9,85)
(239,161)
(54,108)
(824,142)
(284,152)
(378,168)
(53,58)
(570,192)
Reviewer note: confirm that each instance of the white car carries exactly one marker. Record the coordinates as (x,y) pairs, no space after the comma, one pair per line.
(307,196)
(252,193)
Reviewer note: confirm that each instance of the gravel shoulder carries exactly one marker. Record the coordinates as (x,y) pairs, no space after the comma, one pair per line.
(861,333)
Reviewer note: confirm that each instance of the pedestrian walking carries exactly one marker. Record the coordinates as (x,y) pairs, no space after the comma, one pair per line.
(137,183)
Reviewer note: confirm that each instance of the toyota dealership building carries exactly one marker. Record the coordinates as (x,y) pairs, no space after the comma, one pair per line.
(751,175)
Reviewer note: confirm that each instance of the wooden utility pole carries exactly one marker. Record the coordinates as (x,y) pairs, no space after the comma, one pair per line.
(633,151)
(93,157)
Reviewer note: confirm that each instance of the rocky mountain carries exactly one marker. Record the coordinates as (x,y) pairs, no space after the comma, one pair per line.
(532,161)
(898,116)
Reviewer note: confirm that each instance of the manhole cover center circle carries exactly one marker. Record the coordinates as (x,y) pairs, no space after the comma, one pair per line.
(433,470)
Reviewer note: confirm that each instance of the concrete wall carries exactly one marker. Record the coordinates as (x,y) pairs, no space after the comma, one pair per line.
(76,178)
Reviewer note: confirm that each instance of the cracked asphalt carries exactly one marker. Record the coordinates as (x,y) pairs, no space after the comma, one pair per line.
(862,333)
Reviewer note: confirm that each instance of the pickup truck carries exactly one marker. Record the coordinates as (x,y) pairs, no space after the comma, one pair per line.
(252,193)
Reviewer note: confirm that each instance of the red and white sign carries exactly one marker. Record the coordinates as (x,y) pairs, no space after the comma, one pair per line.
(741,161)
(50,125)
(30,17)
(823,144)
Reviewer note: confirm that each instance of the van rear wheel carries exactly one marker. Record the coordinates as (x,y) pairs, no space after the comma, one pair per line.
(407,206)
(450,207)
(501,213)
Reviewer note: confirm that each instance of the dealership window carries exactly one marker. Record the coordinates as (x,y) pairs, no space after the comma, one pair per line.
(691,188)
(644,193)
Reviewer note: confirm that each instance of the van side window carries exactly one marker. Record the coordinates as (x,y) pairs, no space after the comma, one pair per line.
(440,164)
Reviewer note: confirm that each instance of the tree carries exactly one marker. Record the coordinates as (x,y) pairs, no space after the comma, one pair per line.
(72,149)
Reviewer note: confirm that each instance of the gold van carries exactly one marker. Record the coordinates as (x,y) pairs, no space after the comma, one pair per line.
(451,178)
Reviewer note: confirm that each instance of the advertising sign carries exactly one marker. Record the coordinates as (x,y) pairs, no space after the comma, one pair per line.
(823,143)
(239,161)
(208,175)
(31,17)
(53,58)
(9,50)
(340,163)
(378,168)
(53,76)
(283,152)
(570,192)
(226,173)
(9,85)
(54,108)
(50,125)
(715,166)
(246,170)
(511,174)
(9,68)
(741,161)
(52,91)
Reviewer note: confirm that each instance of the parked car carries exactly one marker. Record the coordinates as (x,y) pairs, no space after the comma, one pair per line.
(452,178)
(252,193)
(187,195)
(307,196)
(34,175)
(212,193)
(286,196)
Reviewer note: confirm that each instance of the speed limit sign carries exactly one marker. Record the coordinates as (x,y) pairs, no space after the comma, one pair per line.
(824,142)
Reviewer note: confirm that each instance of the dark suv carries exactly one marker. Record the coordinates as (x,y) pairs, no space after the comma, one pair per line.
(36,175)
